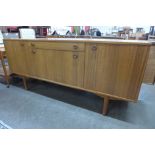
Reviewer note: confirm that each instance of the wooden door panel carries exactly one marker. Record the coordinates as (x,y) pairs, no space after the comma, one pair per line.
(115,69)
(36,62)
(65,67)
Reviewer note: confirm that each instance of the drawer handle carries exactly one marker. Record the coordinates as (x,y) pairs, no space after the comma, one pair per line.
(75,47)
(33,51)
(94,48)
(75,56)
(32,44)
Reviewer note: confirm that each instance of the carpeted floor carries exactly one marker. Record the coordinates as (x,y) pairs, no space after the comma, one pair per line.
(141,113)
(3,125)
(24,109)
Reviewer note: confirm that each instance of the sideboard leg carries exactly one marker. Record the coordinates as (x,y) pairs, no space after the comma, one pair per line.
(105,105)
(6,76)
(25,83)
(8,81)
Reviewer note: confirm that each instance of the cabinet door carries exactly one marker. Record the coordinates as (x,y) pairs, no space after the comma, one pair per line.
(116,70)
(149,76)
(36,62)
(16,53)
(64,67)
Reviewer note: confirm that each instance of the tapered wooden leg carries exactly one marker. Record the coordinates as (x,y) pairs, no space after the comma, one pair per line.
(105,105)
(25,83)
(5,71)
(7,79)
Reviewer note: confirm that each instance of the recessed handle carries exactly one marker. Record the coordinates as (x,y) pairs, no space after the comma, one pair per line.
(94,48)
(22,44)
(32,44)
(33,51)
(75,47)
(75,56)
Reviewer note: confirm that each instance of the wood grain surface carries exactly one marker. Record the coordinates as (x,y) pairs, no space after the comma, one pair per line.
(149,76)
(108,67)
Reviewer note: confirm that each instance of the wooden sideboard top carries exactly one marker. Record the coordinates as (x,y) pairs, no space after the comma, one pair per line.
(86,40)
(153,42)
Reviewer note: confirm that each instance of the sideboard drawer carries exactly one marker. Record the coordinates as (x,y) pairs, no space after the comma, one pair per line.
(58,46)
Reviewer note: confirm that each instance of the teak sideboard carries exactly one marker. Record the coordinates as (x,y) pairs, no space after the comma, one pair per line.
(108,68)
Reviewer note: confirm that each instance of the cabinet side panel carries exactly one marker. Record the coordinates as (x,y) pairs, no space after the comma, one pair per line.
(9,53)
(16,54)
(149,75)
